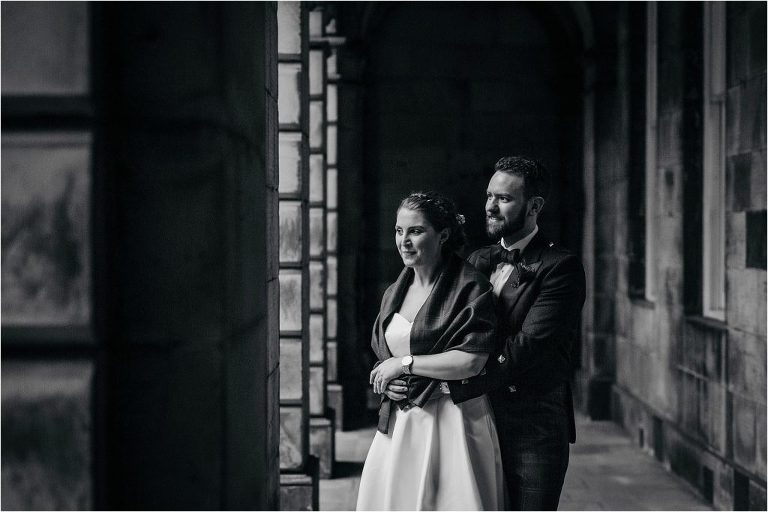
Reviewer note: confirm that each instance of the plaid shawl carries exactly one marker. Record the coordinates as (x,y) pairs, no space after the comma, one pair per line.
(458,315)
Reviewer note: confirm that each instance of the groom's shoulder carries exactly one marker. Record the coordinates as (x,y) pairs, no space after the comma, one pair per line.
(558,254)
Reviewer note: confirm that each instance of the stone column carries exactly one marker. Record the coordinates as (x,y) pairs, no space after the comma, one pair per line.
(321,425)
(298,479)
(604,162)
(355,357)
(334,390)
(189,145)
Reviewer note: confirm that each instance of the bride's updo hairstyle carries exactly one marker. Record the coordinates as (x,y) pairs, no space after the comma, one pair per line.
(441,213)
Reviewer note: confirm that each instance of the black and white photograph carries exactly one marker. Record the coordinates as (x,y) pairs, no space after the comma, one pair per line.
(383,255)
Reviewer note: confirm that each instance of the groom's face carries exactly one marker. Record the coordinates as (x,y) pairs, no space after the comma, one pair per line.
(505,205)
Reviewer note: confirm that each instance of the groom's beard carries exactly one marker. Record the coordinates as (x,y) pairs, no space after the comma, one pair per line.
(498,230)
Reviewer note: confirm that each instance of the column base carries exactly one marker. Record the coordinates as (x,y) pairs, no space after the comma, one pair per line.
(322,443)
(336,402)
(299,491)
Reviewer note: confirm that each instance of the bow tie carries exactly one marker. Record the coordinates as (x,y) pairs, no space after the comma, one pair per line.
(501,255)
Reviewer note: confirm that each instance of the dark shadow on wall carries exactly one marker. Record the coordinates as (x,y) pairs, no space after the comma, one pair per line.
(449,88)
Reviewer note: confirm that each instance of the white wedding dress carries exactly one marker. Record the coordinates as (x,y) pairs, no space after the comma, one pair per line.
(441,456)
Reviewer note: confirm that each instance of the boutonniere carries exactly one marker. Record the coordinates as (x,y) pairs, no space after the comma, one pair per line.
(525,273)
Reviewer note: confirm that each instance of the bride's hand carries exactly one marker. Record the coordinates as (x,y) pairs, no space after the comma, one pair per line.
(385,372)
(396,390)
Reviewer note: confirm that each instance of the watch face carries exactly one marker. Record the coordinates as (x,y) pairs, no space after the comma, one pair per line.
(407,360)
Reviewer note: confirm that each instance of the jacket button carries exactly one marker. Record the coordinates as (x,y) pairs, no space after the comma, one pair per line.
(502,359)
(512,389)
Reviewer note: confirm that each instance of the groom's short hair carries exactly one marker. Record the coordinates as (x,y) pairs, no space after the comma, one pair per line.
(534,174)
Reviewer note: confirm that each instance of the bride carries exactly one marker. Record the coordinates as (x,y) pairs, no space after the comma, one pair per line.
(434,329)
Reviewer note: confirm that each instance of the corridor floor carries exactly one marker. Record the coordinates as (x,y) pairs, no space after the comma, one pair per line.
(606,472)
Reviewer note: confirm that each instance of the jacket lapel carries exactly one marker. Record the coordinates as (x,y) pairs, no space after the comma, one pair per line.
(531,257)
(482,261)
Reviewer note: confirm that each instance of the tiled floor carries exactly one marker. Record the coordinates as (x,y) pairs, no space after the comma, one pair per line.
(606,472)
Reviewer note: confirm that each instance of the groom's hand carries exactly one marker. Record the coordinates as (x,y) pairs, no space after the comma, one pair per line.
(396,390)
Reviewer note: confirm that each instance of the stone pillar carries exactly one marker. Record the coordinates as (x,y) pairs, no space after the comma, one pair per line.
(355,357)
(335,390)
(604,162)
(189,146)
(321,424)
(298,479)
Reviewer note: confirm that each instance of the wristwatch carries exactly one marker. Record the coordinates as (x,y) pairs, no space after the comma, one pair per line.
(406,363)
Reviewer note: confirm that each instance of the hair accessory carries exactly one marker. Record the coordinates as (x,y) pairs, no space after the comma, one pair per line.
(460,219)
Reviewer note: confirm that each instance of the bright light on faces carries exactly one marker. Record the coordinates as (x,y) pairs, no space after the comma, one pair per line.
(416,239)
(507,212)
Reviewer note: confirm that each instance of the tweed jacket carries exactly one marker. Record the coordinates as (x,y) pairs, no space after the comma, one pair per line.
(457,315)
(537,322)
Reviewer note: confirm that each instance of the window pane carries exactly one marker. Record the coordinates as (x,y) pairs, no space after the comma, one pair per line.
(45,48)
(289,27)
(290,369)
(316,277)
(316,179)
(290,300)
(289,93)
(315,72)
(46,229)
(331,318)
(290,162)
(316,338)
(291,446)
(316,219)
(316,124)
(316,388)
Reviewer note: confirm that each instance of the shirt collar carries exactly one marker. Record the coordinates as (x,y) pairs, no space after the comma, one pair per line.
(521,244)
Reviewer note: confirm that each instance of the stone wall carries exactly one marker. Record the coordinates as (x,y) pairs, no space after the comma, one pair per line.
(690,389)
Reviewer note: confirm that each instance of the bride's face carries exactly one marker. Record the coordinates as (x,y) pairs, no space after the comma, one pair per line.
(416,239)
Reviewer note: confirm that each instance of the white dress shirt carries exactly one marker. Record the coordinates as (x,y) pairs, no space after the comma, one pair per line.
(504,270)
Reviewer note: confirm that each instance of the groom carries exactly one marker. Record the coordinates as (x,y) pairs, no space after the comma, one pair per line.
(540,290)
